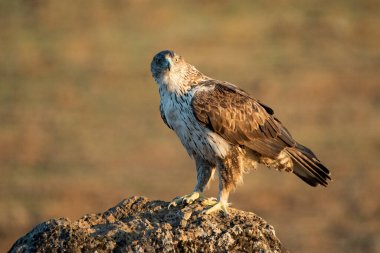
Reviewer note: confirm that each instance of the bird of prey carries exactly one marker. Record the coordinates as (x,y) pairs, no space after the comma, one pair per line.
(225,129)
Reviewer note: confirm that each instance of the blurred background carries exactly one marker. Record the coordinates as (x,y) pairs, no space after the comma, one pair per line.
(80,127)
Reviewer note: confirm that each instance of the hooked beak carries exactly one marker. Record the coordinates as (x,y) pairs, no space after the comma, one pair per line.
(169,62)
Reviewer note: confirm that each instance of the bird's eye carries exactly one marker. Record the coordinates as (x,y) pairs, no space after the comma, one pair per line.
(176,59)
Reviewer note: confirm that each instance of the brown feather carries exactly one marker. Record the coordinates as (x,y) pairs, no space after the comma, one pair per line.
(242,120)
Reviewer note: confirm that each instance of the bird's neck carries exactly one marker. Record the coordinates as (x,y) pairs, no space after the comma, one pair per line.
(170,90)
(180,83)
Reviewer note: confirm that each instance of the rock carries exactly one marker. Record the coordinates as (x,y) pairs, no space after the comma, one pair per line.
(139,225)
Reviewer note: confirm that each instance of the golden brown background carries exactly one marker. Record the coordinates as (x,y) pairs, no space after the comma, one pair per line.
(80,128)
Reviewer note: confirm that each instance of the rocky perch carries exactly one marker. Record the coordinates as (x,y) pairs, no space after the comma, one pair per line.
(139,225)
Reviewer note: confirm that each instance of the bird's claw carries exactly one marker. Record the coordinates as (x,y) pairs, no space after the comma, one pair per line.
(190,198)
(219,206)
(187,199)
(209,201)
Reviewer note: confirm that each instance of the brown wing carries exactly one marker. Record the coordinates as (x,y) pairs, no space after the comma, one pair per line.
(240,119)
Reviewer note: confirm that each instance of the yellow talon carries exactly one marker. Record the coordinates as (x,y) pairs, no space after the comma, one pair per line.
(220,206)
(209,201)
(187,199)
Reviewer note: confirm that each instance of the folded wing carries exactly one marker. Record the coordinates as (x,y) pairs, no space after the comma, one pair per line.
(242,120)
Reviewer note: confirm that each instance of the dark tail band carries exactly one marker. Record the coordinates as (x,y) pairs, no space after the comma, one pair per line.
(308,167)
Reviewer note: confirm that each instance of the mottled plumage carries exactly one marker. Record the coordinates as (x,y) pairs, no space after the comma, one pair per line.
(223,127)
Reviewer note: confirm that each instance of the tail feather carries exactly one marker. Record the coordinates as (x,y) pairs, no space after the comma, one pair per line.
(307,166)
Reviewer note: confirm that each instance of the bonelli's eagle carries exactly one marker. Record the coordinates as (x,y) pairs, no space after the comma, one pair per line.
(225,129)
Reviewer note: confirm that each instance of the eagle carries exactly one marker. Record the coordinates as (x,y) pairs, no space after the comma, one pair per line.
(224,129)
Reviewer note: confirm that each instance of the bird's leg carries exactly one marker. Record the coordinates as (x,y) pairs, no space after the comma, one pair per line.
(221,204)
(229,175)
(204,174)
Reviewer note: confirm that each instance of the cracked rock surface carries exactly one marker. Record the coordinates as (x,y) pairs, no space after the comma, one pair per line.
(139,225)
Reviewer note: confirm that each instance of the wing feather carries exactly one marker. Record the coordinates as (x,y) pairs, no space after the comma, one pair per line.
(240,119)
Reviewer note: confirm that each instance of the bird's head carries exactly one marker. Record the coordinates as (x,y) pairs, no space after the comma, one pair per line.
(170,69)
(165,61)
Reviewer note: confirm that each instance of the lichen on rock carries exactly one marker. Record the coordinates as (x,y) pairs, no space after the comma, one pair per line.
(139,225)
